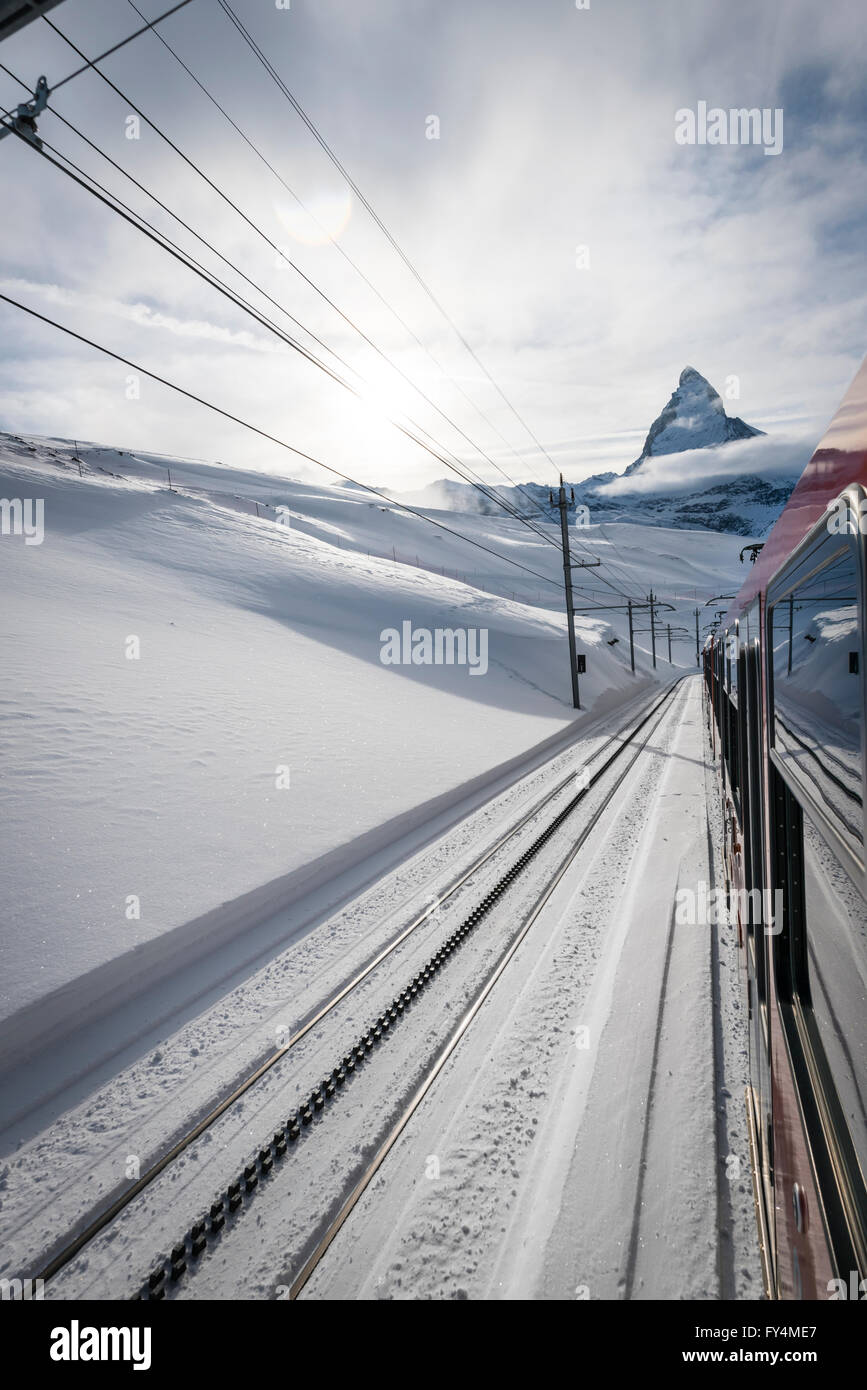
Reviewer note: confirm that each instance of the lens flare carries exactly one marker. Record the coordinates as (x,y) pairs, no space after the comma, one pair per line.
(323,218)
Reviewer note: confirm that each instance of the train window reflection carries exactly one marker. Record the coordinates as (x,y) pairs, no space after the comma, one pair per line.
(837,972)
(816,646)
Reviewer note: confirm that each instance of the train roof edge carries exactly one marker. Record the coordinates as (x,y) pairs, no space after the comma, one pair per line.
(14,14)
(839,460)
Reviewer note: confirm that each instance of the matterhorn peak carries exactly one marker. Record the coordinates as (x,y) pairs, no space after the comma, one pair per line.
(694,418)
(690,373)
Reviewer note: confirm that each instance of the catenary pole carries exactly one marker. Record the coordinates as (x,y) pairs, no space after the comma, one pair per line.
(570,612)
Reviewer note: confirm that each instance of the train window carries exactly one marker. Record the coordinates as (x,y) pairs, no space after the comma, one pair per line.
(820,966)
(733,734)
(835,976)
(815,656)
(815,631)
(749,687)
(748,623)
(730,649)
(733,753)
(745,807)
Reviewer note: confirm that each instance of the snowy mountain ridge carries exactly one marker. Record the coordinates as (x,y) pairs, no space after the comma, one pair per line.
(694,419)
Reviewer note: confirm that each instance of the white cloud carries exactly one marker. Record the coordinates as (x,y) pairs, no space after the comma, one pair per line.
(557,129)
(142,315)
(777,456)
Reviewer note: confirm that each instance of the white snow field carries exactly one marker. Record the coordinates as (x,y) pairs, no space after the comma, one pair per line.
(259,650)
(171,907)
(575,1146)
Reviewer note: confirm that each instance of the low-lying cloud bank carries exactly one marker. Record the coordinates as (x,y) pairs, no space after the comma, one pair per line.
(771,457)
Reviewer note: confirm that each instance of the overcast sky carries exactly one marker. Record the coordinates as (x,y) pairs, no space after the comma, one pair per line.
(556,131)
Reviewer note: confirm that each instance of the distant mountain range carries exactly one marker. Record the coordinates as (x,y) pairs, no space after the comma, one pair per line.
(694,418)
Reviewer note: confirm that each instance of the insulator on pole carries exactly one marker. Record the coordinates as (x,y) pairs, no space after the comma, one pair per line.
(24,120)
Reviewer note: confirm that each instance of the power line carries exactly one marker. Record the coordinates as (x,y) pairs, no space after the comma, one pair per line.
(319,137)
(137,220)
(165,242)
(116,204)
(114,48)
(383,300)
(211,184)
(229,201)
(335,160)
(90,63)
(616,570)
(281,443)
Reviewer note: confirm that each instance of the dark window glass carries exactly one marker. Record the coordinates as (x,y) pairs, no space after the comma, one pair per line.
(836,969)
(816,664)
(817,660)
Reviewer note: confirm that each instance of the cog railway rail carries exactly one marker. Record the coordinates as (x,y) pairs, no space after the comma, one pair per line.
(224,1212)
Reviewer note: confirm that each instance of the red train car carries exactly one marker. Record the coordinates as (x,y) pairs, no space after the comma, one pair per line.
(785,682)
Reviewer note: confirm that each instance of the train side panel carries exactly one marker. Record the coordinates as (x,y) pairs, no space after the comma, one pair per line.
(785,684)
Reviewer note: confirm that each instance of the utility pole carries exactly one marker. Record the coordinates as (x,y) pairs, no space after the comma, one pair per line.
(669,644)
(570,612)
(697,650)
(652,630)
(631,639)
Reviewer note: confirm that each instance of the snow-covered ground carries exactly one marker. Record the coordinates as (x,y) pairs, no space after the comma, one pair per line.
(156,775)
(71,1153)
(170,658)
(590,1140)
(217,799)
(572,1147)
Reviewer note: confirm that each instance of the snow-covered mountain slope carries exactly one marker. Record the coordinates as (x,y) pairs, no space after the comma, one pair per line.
(743,504)
(196,708)
(694,418)
(746,505)
(719,489)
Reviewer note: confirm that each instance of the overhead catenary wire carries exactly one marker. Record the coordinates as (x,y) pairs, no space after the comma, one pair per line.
(258,230)
(319,137)
(335,160)
(271,438)
(235,419)
(495,497)
(112,201)
(148,25)
(279,250)
(345,255)
(92,185)
(616,569)
(184,258)
(90,63)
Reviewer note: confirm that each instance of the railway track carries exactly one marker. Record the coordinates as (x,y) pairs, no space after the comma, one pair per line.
(228,1207)
(334,1225)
